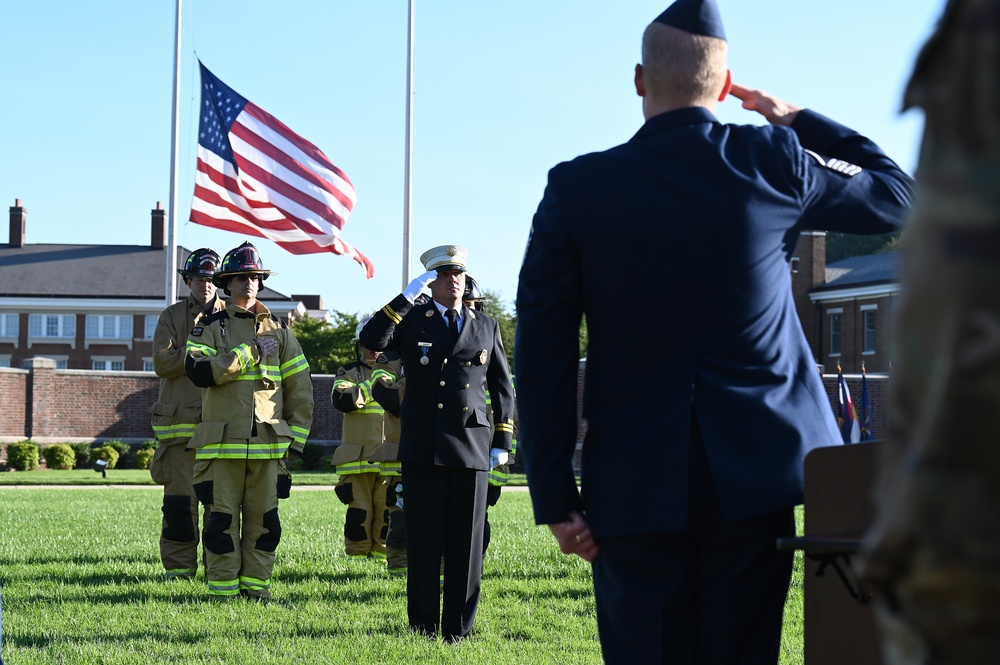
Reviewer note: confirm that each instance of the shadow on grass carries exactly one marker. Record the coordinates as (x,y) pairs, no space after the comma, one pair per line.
(43,641)
(123,596)
(80,560)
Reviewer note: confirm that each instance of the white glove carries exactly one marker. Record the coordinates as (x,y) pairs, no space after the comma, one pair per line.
(414,288)
(498,457)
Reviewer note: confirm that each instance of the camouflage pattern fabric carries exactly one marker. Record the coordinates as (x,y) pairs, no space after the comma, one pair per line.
(933,552)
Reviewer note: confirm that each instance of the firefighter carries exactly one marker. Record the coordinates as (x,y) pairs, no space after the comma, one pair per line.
(450,353)
(257,403)
(360,485)
(176,414)
(498,475)
(388,387)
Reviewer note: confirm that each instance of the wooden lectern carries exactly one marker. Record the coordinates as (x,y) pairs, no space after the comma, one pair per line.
(839,618)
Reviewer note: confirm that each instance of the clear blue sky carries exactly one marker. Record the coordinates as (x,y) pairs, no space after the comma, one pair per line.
(503,91)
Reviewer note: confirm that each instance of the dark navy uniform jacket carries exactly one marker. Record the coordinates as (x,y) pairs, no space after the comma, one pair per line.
(443,416)
(676,246)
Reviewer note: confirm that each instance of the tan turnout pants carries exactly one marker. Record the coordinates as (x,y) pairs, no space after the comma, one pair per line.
(243,529)
(173,467)
(365,523)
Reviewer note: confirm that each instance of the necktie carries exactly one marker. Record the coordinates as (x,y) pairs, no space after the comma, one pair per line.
(452,322)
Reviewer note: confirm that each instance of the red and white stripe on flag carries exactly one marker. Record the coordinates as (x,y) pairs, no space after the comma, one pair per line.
(276,185)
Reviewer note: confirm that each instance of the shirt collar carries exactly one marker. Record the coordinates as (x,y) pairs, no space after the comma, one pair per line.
(693,115)
(442,309)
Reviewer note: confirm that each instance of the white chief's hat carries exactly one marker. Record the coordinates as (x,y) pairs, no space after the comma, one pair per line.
(445,257)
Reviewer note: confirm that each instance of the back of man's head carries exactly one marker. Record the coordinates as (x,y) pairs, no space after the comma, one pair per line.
(681,69)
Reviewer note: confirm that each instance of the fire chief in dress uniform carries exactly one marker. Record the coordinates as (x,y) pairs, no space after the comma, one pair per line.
(446,443)
(724,413)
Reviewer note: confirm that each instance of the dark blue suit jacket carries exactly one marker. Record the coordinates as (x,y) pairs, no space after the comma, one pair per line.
(676,247)
(443,418)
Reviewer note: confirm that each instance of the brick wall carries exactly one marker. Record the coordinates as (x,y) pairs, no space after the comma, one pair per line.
(328,422)
(56,406)
(13,393)
(83,404)
(51,405)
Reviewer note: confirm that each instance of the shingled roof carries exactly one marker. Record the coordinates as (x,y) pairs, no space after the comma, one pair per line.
(858,271)
(92,271)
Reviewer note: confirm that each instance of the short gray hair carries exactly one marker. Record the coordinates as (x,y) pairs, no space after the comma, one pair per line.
(682,67)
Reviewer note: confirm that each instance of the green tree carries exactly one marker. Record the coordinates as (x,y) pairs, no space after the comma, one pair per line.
(840,246)
(327,346)
(495,308)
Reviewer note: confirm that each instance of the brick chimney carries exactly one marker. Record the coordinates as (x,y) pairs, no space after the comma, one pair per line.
(808,272)
(310,302)
(18,222)
(158,238)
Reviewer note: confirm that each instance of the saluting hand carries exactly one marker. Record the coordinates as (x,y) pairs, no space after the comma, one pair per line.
(777,111)
(575,537)
(417,285)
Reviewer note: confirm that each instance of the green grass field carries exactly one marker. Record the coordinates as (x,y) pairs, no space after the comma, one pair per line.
(82,585)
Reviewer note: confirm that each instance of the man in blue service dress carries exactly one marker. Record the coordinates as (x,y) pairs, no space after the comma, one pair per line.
(728,407)
(446,442)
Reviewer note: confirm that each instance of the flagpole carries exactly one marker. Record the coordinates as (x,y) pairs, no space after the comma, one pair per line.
(170,294)
(407,175)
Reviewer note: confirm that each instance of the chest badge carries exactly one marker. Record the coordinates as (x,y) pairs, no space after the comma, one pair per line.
(197,331)
(483,356)
(424,348)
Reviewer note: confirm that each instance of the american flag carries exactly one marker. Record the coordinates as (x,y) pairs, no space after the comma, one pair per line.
(847,417)
(256,176)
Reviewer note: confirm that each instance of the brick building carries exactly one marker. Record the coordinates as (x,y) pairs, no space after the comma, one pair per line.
(845,307)
(95,307)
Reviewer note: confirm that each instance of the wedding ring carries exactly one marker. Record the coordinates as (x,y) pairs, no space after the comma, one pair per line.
(577,538)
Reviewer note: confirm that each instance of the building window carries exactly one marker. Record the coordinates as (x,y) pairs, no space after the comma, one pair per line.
(868,316)
(52,325)
(109,327)
(150,328)
(795,264)
(62,362)
(835,334)
(4,361)
(8,325)
(108,364)
(147,365)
